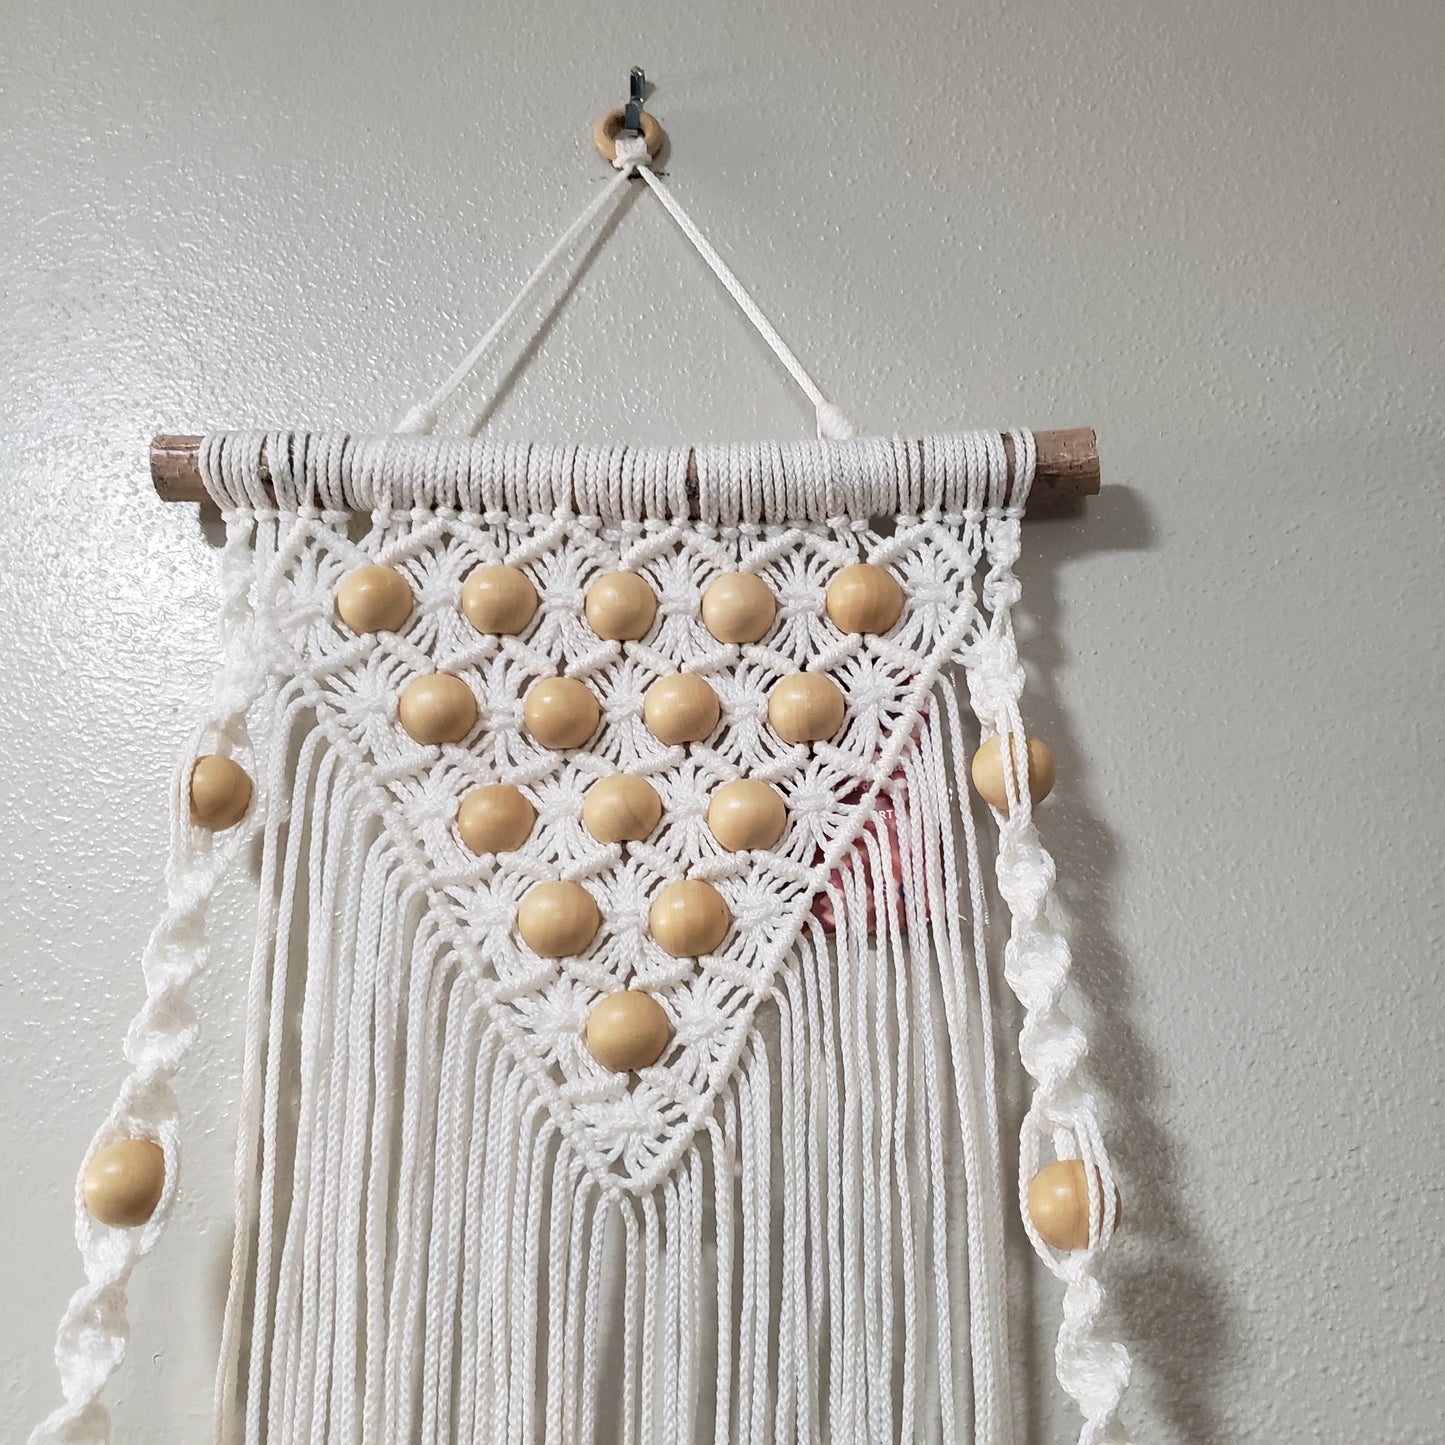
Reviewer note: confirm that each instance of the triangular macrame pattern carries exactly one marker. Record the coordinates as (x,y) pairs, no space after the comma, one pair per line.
(629,1131)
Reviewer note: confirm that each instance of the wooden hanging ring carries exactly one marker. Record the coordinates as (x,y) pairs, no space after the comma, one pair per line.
(606,131)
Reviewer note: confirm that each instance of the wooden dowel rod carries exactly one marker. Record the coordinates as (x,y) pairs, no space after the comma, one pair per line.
(1067,469)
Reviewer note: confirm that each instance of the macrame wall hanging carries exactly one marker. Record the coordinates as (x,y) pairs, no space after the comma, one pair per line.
(620,1045)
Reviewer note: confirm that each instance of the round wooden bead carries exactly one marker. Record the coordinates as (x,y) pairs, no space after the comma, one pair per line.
(864,598)
(499,599)
(561,712)
(620,606)
(374,599)
(437,708)
(495,819)
(621,809)
(123,1182)
(738,607)
(558,919)
(681,709)
(988,776)
(1058,1203)
(746,814)
(627,1031)
(689,918)
(220,792)
(806,708)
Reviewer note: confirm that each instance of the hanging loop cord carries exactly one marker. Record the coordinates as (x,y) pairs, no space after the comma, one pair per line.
(634,160)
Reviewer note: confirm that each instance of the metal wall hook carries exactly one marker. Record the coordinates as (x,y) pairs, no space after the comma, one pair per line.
(629,120)
(632,111)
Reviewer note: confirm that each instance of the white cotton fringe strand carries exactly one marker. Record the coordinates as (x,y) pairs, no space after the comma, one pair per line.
(1092,1367)
(91,1340)
(438,1265)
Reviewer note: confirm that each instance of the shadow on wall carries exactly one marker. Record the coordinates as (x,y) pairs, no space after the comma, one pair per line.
(1165,1302)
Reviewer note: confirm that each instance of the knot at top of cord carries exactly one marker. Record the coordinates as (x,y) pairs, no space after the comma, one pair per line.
(632,153)
(421,420)
(834,423)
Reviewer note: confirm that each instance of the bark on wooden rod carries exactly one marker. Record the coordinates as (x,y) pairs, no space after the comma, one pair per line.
(1066,472)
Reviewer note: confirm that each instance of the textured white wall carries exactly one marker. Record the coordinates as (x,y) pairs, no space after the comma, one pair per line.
(1212,231)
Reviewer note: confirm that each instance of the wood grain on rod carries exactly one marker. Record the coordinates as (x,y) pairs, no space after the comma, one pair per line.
(1067,469)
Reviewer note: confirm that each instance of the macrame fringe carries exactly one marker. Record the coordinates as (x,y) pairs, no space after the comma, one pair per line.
(424,1253)
(440,1264)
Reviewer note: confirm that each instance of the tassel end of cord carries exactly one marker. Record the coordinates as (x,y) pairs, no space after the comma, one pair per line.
(419,421)
(833,423)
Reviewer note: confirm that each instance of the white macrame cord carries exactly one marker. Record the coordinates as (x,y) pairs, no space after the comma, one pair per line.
(632,160)
(452,1223)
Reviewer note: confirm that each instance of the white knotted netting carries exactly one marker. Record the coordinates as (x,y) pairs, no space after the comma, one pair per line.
(452,1223)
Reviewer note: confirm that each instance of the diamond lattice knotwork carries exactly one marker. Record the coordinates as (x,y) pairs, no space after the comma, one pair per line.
(631,1128)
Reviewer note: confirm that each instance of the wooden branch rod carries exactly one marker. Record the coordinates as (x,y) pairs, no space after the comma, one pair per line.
(1067,469)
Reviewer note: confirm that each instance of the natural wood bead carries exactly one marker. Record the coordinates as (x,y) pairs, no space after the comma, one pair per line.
(558,919)
(746,814)
(864,598)
(220,792)
(437,708)
(374,599)
(621,809)
(499,599)
(561,712)
(627,1031)
(988,776)
(806,708)
(609,127)
(1058,1203)
(689,918)
(620,606)
(495,819)
(738,607)
(681,709)
(124,1181)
